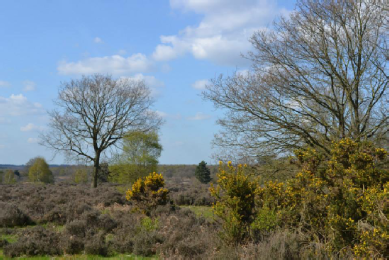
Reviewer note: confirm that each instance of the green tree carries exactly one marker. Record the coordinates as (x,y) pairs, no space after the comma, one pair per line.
(139,158)
(80,175)
(40,172)
(9,177)
(202,173)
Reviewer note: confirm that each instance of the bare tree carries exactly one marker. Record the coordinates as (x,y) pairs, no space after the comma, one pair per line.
(94,113)
(318,76)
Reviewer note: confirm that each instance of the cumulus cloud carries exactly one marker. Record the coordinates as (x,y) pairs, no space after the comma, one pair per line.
(150,81)
(18,105)
(199,116)
(4,84)
(31,127)
(223,33)
(115,64)
(32,140)
(98,40)
(200,84)
(29,85)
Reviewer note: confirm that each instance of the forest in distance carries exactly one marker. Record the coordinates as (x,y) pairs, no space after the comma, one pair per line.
(300,168)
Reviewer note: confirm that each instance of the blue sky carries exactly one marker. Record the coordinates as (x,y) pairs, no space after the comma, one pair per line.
(176,46)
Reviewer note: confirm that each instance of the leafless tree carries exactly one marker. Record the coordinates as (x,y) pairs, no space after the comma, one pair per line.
(318,76)
(94,113)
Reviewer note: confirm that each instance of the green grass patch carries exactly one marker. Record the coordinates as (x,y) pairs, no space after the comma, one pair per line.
(52,226)
(11,238)
(203,211)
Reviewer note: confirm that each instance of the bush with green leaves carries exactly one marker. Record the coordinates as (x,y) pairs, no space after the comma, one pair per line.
(40,172)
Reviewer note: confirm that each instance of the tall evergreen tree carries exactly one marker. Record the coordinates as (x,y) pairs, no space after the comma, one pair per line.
(202,173)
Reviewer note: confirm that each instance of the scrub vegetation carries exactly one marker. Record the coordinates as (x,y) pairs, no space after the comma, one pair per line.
(303,170)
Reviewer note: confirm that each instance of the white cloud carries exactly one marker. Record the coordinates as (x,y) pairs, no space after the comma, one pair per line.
(29,85)
(223,33)
(164,53)
(4,84)
(17,105)
(116,65)
(161,114)
(166,115)
(33,140)
(31,127)
(98,40)
(150,81)
(199,116)
(200,84)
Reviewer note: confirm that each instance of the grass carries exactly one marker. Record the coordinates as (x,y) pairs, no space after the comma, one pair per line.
(203,211)
(56,228)
(11,238)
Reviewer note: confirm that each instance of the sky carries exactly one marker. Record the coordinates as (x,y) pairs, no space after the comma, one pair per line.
(175,46)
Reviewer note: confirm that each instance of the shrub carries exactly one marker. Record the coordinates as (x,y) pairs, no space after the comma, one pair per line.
(34,241)
(71,245)
(96,245)
(342,202)
(186,236)
(149,192)
(145,242)
(11,215)
(77,228)
(123,240)
(235,204)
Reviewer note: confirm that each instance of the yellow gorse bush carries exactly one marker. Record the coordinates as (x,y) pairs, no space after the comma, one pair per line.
(148,192)
(342,202)
(235,200)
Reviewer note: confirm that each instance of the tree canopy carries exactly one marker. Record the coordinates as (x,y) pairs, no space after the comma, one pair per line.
(318,76)
(94,113)
(139,157)
(40,172)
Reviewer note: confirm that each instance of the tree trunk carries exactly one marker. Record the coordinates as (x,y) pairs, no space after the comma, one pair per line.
(96,168)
